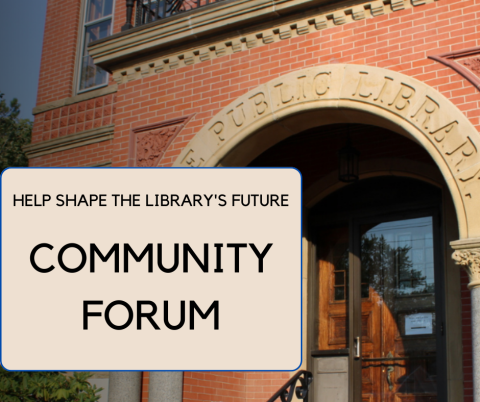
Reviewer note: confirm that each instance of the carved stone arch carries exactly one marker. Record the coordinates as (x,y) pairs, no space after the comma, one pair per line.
(340,93)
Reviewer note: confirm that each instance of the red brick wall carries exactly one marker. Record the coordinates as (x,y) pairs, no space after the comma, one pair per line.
(226,386)
(214,386)
(145,384)
(120,16)
(232,386)
(74,118)
(59,50)
(261,386)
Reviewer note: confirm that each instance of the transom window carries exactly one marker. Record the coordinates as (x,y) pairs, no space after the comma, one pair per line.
(97,25)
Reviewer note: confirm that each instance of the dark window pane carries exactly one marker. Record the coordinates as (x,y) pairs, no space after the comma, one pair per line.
(365,290)
(95,32)
(98,9)
(92,75)
(401,248)
(339,294)
(339,278)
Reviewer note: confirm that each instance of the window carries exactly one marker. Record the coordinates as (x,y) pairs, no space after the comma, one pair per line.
(97,25)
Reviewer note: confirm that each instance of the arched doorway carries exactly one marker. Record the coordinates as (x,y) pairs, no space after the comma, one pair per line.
(250,130)
(401,196)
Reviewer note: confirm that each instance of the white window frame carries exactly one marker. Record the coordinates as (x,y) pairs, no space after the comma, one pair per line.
(81,47)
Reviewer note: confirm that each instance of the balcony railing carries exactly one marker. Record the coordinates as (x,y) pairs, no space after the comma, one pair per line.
(146,11)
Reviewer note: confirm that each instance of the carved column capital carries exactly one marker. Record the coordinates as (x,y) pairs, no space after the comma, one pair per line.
(469,259)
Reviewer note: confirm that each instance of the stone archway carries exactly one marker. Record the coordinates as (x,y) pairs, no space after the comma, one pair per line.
(348,93)
(340,93)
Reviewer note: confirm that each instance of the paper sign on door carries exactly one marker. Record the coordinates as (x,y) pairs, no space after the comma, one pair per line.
(419,324)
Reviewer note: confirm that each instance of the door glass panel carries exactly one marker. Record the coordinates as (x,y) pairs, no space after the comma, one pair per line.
(398,311)
(333,253)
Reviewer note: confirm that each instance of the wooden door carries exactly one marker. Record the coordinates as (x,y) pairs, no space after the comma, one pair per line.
(333,252)
(395,298)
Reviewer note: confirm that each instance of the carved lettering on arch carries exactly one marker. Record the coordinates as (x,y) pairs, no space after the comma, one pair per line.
(237,115)
(191,160)
(301,89)
(365,89)
(259,103)
(283,96)
(442,133)
(388,90)
(425,113)
(403,97)
(385,86)
(460,155)
(470,182)
(458,149)
(375,90)
(217,128)
(301,95)
(321,83)
(361,90)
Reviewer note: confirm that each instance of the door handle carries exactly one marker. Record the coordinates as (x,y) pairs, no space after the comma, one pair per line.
(357,348)
(390,370)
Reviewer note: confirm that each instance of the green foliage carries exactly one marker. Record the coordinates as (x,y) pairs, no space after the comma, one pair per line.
(14,133)
(46,386)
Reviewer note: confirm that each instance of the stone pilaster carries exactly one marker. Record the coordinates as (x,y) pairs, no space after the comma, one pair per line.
(165,386)
(467,255)
(124,386)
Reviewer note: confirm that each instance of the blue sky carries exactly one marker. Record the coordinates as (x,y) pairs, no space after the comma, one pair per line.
(21,39)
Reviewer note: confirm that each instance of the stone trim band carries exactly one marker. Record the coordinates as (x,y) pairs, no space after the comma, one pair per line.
(70,141)
(75,99)
(260,38)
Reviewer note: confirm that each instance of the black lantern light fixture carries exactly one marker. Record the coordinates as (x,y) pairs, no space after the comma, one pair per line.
(348,162)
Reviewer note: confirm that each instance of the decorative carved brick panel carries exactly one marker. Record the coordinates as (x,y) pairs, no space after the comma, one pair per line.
(472,63)
(150,146)
(149,143)
(465,62)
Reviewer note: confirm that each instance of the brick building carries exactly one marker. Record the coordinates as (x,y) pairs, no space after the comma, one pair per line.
(388,312)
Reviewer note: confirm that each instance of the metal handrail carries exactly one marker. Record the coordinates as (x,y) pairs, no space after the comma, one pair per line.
(287,391)
(147,11)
